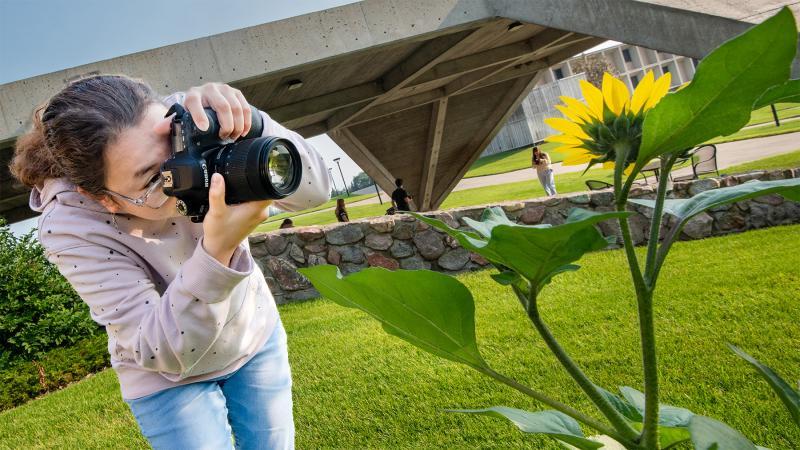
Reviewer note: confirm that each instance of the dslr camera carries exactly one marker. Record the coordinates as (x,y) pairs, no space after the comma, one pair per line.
(254,167)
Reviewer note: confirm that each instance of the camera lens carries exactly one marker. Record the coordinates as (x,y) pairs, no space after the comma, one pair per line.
(259,169)
(279,166)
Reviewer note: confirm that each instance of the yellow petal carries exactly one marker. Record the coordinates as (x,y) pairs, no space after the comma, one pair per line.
(629,169)
(577,107)
(608,165)
(594,98)
(570,114)
(615,94)
(573,156)
(660,89)
(566,127)
(564,139)
(642,92)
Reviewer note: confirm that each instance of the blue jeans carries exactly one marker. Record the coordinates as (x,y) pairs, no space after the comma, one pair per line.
(549,184)
(252,405)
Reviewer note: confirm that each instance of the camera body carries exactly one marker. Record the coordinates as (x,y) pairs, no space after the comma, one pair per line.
(254,167)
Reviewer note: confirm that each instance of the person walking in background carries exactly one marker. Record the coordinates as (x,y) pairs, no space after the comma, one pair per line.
(541,162)
(400,198)
(341,211)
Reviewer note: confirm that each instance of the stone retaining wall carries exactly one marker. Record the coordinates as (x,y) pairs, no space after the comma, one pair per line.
(401,241)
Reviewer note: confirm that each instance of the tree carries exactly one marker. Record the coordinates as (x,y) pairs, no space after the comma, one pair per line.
(360,181)
(593,65)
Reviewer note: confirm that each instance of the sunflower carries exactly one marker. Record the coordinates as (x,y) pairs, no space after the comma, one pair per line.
(610,120)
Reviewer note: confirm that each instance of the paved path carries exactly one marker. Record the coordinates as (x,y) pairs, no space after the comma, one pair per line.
(728,154)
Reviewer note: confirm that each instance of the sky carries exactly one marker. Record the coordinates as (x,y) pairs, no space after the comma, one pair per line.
(43,36)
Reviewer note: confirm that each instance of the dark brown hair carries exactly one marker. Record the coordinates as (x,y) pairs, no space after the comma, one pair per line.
(72,130)
(536,153)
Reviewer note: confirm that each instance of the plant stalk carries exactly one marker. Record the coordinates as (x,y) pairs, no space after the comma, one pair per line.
(617,420)
(655,221)
(644,296)
(555,404)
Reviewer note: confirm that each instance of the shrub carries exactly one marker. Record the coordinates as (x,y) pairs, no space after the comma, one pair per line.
(39,310)
(26,380)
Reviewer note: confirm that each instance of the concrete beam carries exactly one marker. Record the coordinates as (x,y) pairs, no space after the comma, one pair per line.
(435,133)
(681,29)
(484,136)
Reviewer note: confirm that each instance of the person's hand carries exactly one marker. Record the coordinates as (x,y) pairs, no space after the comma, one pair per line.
(226,226)
(233,111)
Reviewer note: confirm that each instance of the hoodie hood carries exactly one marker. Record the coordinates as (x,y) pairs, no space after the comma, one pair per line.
(65,193)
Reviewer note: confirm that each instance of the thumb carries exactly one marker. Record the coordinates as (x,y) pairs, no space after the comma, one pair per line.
(216,193)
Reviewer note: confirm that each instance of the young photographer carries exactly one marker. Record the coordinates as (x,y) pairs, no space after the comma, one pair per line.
(193,331)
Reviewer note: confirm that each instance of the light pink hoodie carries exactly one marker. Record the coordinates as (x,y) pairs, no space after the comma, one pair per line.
(173,314)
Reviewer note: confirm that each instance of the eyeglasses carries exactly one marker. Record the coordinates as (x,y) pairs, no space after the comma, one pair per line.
(153,196)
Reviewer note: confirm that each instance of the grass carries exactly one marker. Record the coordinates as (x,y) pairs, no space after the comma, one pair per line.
(357,387)
(762,131)
(520,159)
(764,115)
(785,161)
(510,161)
(521,190)
(329,204)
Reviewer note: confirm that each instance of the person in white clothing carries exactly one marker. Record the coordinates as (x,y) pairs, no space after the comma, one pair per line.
(541,162)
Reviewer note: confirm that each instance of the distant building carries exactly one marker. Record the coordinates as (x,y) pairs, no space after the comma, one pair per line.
(629,63)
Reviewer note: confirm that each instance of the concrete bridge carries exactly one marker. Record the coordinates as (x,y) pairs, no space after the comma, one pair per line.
(411,89)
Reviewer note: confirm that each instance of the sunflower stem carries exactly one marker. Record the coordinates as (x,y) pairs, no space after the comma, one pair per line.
(617,420)
(644,297)
(655,222)
(555,404)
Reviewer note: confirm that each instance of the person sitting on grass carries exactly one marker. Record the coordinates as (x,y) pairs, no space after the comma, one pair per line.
(341,211)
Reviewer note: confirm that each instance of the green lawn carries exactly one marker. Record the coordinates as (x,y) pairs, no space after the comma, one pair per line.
(762,131)
(510,161)
(357,387)
(784,161)
(764,115)
(520,159)
(278,218)
(521,190)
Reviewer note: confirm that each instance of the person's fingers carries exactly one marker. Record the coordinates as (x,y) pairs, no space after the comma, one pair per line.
(216,195)
(162,126)
(237,112)
(248,118)
(194,104)
(220,105)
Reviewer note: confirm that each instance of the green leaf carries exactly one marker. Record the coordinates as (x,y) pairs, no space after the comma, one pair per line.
(668,415)
(553,423)
(685,209)
(490,218)
(710,434)
(788,396)
(668,436)
(431,310)
(723,90)
(788,92)
(536,253)
(627,410)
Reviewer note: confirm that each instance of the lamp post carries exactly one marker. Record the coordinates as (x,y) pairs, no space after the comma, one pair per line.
(333,182)
(377,191)
(336,160)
